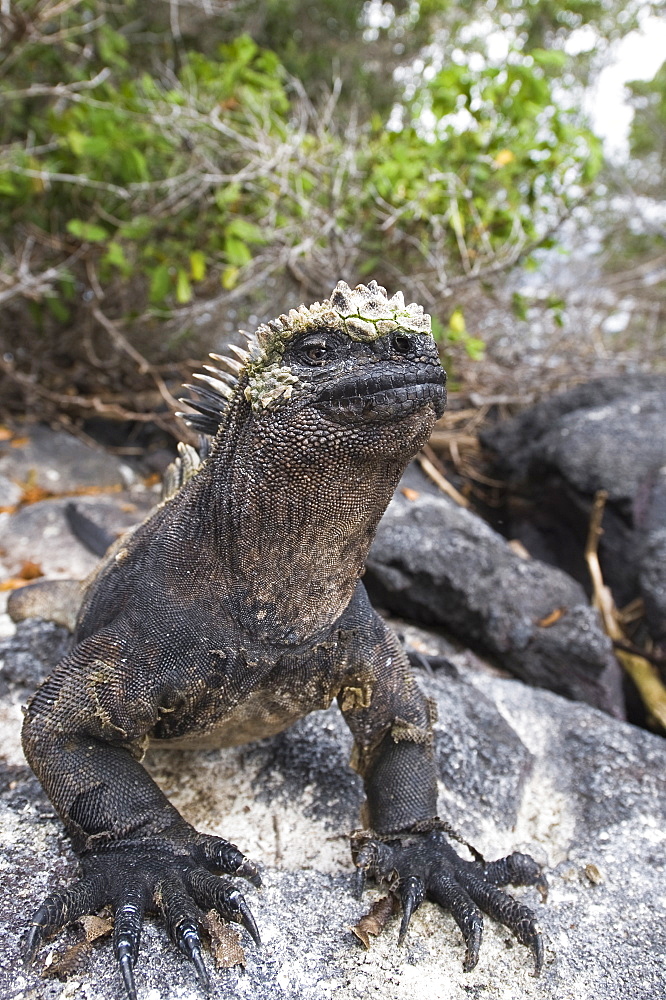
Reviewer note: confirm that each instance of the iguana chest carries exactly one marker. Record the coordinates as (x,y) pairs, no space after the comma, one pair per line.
(248,698)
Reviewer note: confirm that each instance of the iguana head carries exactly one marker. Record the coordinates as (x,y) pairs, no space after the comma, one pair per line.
(358,358)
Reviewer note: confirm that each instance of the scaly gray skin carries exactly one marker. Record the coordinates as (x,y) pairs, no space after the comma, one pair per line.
(235,609)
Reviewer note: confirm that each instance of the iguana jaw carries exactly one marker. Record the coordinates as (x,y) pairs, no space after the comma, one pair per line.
(388,395)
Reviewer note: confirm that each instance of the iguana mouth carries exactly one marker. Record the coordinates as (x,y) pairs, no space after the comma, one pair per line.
(384,396)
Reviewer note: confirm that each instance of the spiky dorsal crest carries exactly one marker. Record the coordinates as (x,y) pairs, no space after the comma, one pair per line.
(216,387)
(182,468)
(364,313)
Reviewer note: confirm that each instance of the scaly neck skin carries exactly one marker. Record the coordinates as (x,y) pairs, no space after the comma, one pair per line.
(290,515)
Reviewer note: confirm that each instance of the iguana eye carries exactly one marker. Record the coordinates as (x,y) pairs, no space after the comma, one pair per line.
(316,351)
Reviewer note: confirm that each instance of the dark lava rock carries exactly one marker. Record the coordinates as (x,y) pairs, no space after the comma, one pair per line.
(437,563)
(606,435)
(30,655)
(650,512)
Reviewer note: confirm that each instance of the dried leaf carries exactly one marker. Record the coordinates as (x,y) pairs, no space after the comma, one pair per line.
(12,583)
(60,965)
(225,943)
(5,433)
(67,962)
(550,619)
(30,571)
(96,927)
(20,442)
(409,493)
(593,874)
(517,546)
(375,920)
(32,493)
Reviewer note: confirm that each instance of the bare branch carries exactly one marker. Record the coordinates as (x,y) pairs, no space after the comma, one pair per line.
(60,90)
(36,286)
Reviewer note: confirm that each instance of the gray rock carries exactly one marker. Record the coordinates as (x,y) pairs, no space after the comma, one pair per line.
(28,657)
(437,563)
(651,519)
(521,769)
(609,435)
(10,492)
(606,434)
(59,462)
(39,532)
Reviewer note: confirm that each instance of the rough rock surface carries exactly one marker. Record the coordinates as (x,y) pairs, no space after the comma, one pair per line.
(605,434)
(102,485)
(608,434)
(651,520)
(437,563)
(521,768)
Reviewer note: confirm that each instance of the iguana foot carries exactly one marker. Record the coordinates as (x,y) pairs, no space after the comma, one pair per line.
(181,882)
(416,866)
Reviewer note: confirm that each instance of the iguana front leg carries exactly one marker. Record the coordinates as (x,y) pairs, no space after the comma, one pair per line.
(406,846)
(137,852)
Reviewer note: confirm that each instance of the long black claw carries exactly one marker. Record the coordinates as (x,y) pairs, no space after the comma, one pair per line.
(212,892)
(200,967)
(127,969)
(359,882)
(248,921)
(537,948)
(412,894)
(473,943)
(32,944)
(190,944)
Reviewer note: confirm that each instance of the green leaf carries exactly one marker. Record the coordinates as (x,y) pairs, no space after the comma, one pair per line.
(227,194)
(7,185)
(245,230)
(238,253)
(76,142)
(197,265)
(160,283)
(115,255)
(519,305)
(183,287)
(58,309)
(90,232)
(457,323)
(475,348)
(229,278)
(137,228)
(550,58)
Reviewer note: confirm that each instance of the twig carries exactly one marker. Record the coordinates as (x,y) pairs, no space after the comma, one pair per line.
(643,673)
(144,366)
(87,404)
(33,286)
(441,481)
(59,90)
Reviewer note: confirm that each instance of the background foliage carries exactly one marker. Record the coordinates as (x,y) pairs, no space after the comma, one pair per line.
(170,169)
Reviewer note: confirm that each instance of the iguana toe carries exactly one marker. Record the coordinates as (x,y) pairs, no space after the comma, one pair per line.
(135,878)
(419,866)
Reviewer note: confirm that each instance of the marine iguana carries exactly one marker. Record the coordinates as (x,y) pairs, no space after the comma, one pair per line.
(236,608)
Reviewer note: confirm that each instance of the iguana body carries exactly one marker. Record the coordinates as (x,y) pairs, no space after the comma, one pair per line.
(234,610)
